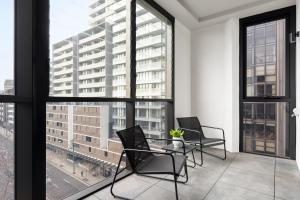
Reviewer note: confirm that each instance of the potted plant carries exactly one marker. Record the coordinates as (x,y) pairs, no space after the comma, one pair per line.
(177,135)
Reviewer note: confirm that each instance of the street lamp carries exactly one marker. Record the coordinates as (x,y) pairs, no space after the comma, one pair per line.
(74,172)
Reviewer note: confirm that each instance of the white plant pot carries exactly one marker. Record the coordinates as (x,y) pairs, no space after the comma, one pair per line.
(177,144)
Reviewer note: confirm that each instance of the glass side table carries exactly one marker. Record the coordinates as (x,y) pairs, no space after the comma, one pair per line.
(187,148)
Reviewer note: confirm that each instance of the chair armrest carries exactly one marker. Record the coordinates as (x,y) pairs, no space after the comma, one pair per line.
(183,145)
(186,129)
(216,128)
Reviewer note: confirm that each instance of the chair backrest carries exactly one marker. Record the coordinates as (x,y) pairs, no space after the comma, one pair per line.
(190,123)
(134,138)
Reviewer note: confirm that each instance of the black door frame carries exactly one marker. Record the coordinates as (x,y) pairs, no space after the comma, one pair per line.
(289,14)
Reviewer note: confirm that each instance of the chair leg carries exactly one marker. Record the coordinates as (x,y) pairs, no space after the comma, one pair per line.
(224,151)
(201,151)
(194,161)
(175,182)
(114,180)
(186,172)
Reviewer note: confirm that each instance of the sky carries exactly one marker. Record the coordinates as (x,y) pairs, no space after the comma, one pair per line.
(67,18)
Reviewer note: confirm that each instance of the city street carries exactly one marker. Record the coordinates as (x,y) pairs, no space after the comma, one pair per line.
(6,168)
(59,184)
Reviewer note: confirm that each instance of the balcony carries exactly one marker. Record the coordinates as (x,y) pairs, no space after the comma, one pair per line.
(63,48)
(63,64)
(119,27)
(241,176)
(92,56)
(91,75)
(91,85)
(149,55)
(119,82)
(62,72)
(117,61)
(92,66)
(119,71)
(119,38)
(62,80)
(119,49)
(63,87)
(63,56)
(153,41)
(153,66)
(149,29)
(92,47)
(92,37)
(91,94)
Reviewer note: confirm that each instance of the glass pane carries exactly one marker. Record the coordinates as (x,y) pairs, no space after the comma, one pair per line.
(7,47)
(151,116)
(266,128)
(82,146)
(153,53)
(266,56)
(88,58)
(7,151)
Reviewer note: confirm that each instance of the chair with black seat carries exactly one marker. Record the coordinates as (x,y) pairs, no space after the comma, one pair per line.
(193,134)
(144,161)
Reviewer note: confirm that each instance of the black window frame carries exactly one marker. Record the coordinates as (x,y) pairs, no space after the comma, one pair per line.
(31,80)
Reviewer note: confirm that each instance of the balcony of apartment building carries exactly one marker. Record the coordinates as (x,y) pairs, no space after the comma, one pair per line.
(90,56)
(63,48)
(92,46)
(92,93)
(91,64)
(89,36)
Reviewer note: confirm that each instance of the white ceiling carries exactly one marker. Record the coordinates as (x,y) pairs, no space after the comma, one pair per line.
(193,13)
(205,8)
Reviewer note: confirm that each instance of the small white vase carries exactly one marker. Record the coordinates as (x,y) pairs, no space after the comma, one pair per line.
(177,144)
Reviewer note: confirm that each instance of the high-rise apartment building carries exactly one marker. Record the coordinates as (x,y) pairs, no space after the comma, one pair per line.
(93,63)
(84,130)
(265,124)
(7,113)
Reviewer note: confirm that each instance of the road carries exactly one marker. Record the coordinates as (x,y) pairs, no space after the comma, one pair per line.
(6,165)
(59,184)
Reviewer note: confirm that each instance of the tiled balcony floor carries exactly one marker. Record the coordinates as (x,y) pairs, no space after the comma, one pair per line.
(241,176)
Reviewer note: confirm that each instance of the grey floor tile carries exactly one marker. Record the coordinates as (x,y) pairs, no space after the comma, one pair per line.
(256,157)
(249,180)
(156,192)
(241,176)
(287,168)
(200,182)
(287,187)
(253,164)
(233,192)
(92,198)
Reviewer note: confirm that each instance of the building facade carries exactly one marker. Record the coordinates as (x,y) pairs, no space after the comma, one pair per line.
(7,111)
(96,63)
(266,123)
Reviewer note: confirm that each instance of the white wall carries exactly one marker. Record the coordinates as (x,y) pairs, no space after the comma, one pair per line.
(298,86)
(215,51)
(215,73)
(182,71)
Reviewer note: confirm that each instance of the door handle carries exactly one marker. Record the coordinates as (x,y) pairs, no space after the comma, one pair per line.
(296,112)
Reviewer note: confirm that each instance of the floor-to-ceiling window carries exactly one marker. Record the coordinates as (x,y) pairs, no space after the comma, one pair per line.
(111,67)
(7,131)
(267,84)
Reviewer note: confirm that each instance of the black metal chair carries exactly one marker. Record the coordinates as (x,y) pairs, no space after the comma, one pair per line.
(194,134)
(144,161)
